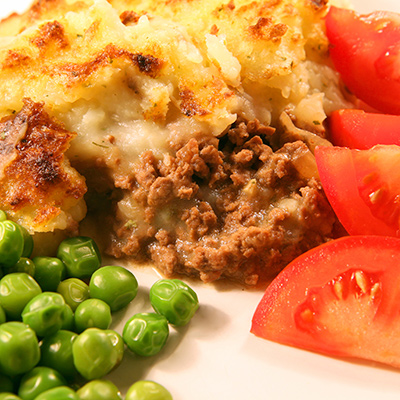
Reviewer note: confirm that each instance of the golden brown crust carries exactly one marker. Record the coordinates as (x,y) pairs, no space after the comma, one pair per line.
(50,32)
(269,31)
(261,26)
(129,17)
(265,29)
(74,72)
(66,56)
(15,59)
(37,183)
(189,105)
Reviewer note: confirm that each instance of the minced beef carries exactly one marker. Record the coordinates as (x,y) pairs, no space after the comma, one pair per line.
(229,207)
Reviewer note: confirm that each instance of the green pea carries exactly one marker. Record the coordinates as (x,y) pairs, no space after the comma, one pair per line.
(37,381)
(9,396)
(74,291)
(56,353)
(28,239)
(11,243)
(147,390)
(23,265)
(16,290)
(115,285)
(175,300)
(80,255)
(146,333)
(68,318)
(49,272)
(99,390)
(58,393)
(92,313)
(45,313)
(96,352)
(19,348)
(28,242)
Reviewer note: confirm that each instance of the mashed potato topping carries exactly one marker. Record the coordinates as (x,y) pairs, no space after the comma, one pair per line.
(187,125)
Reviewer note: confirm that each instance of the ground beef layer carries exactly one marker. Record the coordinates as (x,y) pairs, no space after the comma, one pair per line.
(224,207)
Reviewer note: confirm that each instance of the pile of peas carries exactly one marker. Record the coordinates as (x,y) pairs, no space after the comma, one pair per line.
(55,318)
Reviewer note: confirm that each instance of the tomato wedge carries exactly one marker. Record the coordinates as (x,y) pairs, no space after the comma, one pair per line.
(365,50)
(340,299)
(363,187)
(358,129)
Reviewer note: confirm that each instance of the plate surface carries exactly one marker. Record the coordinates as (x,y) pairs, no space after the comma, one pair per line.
(216,357)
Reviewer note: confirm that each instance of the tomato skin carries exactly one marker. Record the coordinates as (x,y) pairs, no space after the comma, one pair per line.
(361,321)
(365,51)
(362,130)
(353,180)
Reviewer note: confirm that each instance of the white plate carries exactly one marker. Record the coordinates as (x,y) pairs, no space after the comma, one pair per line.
(216,357)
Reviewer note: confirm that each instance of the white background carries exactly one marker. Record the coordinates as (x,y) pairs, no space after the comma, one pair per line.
(216,357)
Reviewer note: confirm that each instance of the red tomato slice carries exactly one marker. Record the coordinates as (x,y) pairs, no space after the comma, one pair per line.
(340,299)
(363,187)
(358,129)
(365,50)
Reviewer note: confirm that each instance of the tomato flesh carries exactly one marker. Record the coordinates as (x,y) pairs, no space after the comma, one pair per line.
(365,50)
(363,187)
(362,130)
(339,299)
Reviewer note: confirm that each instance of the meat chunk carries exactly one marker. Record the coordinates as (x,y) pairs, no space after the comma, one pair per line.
(231,207)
